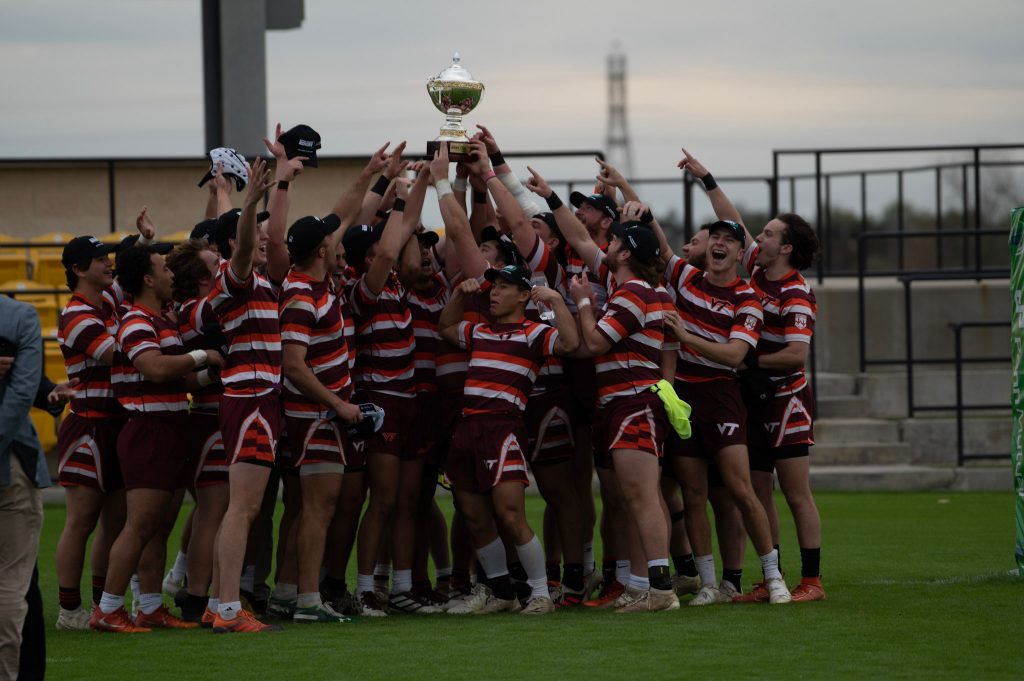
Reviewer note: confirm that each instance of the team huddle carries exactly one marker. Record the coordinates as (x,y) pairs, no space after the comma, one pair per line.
(353,363)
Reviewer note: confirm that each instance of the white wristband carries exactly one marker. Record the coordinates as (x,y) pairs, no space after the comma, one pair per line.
(515,187)
(443,187)
(460,184)
(143,240)
(204,378)
(583,303)
(198,357)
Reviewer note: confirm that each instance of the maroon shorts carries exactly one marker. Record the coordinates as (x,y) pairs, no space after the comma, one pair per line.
(314,441)
(88,453)
(549,427)
(422,437)
(251,427)
(207,446)
(637,422)
(485,451)
(718,419)
(451,414)
(581,374)
(399,417)
(153,451)
(786,420)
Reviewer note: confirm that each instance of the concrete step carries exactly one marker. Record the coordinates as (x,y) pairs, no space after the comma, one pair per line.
(933,440)
(886,391)
(906,478)
(831,384)
(860,454)
(839,430)
(842,406)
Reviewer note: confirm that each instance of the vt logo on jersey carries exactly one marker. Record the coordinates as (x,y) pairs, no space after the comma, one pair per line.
(720,305)
(727,428)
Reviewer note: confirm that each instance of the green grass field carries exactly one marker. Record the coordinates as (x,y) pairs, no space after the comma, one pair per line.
(919,586)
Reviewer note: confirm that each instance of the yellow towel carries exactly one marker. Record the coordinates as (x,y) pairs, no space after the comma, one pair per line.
(678,411)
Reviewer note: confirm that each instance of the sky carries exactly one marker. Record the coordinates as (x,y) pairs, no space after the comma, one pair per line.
(731,81)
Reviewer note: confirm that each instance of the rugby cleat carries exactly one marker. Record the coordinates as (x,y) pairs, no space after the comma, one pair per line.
(592,583)
(322,613)
(470,603)
(495,604)
(569,599)
(280,608)
(606,599)
(73,620)
(538,605)
(758,594)
(809,589)
(171,586)
(647,601)
(777,591)
(684,584)
(410,603)
(456,596)
(727,592)
(372,604)
(207,621)
(708,595)
(161,618)
(116,622)
(243,623)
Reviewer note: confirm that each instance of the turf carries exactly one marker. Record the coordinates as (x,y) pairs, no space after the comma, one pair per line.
(919,586)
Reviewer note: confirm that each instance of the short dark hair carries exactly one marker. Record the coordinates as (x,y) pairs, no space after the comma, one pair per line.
(69,274)
(800,235)
(132,265)
(648,270)
(188,268)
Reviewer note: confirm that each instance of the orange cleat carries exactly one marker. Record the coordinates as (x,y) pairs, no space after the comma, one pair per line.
(117,622)
(208,617)
(809,589)
(759,594)
(161,618)
(608,596)
(244,623)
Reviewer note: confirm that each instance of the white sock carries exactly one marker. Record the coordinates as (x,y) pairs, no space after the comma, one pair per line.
(382,569)
(622,572)
(531,555)
(248,580)
(492,558)
(283,591)
(109,603)
(212,604)
(402,581)
(310,600)
(180,565)
(706,570)
(638,583)
(150,603)
(589,564)
(134,583)
(770,565)
(657,562)
(364,583)
(229,611)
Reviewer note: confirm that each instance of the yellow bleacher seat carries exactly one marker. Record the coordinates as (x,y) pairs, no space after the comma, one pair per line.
(114,237)
(53,362)
(13,264)
(45,303)
(46,426)
(174,237)
(47,269)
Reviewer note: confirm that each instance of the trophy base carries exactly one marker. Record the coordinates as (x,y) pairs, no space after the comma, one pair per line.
(457,151)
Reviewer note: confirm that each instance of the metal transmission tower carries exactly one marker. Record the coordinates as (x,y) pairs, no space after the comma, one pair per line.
(618,145)
(235,68)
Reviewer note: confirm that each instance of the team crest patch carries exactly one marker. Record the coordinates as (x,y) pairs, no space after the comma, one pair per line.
(750,323)
(800,321)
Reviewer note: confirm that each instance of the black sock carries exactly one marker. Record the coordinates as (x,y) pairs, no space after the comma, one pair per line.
(572,578)
(98,581)
(554,570)
(608,570)
(685,565)
(334,583)
(517,571)
(778,553)
(810,562)
(659,577)
(502,587)
(481,576)
(734,577)
(70,599)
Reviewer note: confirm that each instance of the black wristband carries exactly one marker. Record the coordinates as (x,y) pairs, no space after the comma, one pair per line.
(497,159)
(399,205)
(381,185)
(751,361)
(479,197)
(647,218)
(709,182)
(382,214)
(282,185)
(554,203)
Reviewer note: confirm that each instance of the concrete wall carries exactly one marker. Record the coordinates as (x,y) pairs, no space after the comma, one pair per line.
(40,198)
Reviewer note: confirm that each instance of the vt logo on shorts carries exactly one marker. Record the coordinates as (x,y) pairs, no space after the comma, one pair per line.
(727,428)
(490,463)
(389,437)
(770,427)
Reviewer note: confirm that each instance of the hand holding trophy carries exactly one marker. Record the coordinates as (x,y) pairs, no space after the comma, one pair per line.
(454,93)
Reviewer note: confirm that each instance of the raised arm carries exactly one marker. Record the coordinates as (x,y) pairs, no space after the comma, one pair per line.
(219,200)
(574,231)
(396,233)
(456,224)
(245,236)
(409,261)
(610,176)
(723,207)
(349,205)
(634,211)
(389,166)
(285,171)
(518,224)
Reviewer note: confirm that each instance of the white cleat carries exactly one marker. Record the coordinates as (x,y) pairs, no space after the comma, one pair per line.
(538,605)
(73,620)
(727,592)
(708,595)
(778,593)
(371,605)
(495,604)
(471,603)
(684,585)
(171,586)
(592,583)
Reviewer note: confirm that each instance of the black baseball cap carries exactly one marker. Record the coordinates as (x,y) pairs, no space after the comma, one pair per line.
(159,247)
(227,224)
(549,220)
(84,248)
(301,140)
(598,201)
(505,246)
(514,274)
(204,230)
(358,240)
(733,228)
(428,238)
(641,242)
(306,233)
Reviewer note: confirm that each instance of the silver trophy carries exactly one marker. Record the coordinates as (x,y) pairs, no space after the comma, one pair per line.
(455,94)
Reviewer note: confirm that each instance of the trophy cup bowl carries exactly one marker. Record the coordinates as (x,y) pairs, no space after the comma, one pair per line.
(454,93)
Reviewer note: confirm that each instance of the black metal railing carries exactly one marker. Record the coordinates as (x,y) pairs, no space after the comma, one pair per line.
(958,356)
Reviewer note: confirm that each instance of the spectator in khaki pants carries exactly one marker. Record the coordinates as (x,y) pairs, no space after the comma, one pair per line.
(22,473)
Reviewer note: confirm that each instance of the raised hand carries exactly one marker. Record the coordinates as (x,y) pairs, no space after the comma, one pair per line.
(538,185)
(479,163)
(275,147)
(487,138)
(609,175)
(691,164)
(259,182)
(469,287)
(402,185)
(544,294)
(288,169)
(579,289)
(145,226)
(379,160)
(395,163)
(634,211)
(220,183)
(439,164)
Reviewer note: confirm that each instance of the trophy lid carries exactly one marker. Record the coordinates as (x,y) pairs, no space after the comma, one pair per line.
(455,71)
